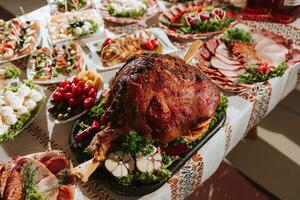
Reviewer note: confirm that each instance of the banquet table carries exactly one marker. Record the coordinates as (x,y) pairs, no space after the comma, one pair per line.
(245,110)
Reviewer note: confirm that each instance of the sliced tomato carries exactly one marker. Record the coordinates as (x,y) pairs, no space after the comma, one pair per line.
(7,45)
(60,58)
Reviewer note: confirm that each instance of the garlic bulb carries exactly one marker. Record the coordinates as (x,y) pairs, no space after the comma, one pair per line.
(149,163)
(119,164)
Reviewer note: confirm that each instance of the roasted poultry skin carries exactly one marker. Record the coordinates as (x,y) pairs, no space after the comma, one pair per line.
(157,95)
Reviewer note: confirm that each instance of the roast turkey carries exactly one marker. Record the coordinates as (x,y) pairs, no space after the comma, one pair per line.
(159,96)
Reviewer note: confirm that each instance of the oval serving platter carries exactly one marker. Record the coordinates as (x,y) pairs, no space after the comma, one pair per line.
(34,113)
(103,177)
(29,70)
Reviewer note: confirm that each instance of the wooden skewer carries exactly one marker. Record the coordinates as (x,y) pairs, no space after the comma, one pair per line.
(23,13)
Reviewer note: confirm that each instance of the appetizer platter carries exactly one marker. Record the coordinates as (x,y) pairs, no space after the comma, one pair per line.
(42,176)
(73,98)
(195,20)
(128,11)
(242,56)
(75,25)
(129,133)
(17,39)
(112,52)
(8,75)
(62,6)
(52,65)
(19,105)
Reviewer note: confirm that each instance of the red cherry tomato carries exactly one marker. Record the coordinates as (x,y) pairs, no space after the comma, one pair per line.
(92,93)
(7,45)
(64,83)
(154,43)
(76,91)
(73,102)
(88,102)
(81,84)
(82,98)
(107,41)
(68,95)
(61,90)
(87,89)
(57,96)
(68,88)
(75,80)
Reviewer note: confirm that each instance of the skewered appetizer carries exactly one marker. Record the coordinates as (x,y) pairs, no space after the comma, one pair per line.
(128,11)
(135,129)
(56,63)
(18,105)
(70,5)
(8,74)
(195,20)
(74,25)
(116,51)
(37,176)
(72,98)
(238,58)
(17,38)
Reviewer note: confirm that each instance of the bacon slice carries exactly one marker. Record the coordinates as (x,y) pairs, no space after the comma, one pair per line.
(218,64)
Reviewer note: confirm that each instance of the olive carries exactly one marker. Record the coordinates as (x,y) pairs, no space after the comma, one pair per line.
(38,47)
(52,109)
(27,22)
(63,46)
(69,109)
(60,116)
(66,116)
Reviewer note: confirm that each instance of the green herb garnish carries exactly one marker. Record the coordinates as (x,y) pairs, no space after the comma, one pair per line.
(133,143)
(220,111)
(11,72)
(30,189)
(236,34)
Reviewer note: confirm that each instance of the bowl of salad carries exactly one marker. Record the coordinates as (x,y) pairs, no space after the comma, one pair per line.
(128,11)
(195,20)
(19,105)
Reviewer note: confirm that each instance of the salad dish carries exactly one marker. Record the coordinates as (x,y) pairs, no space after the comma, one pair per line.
(72,98)
(128,11)
(38,176)
(241,57)
(61,6)
(74,25)
(18,107)
(17,39)
(130,133)
(195,20)
(9,74)
(52,65)
(111,52)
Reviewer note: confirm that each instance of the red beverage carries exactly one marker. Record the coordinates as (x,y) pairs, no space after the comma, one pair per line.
(258,9)
(284,11)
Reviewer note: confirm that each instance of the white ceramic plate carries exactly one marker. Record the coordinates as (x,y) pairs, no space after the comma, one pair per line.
(37,41)
(62,20)
(59,78)
(95,46)
(57,121)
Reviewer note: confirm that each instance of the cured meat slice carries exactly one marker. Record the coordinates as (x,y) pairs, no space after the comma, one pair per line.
(66,192)
(261,44)
(273,59)
(14,186)
(245,53)
(57,164)
(222,50)
(3,179)
(205,53)
(227,60)
(232,73)
(274,48)
(218,64)
(47,187)
(211,45)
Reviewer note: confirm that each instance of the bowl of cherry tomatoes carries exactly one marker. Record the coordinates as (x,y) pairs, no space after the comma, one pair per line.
(72,98)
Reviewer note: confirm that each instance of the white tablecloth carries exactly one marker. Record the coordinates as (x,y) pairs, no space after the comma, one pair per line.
(244,111)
